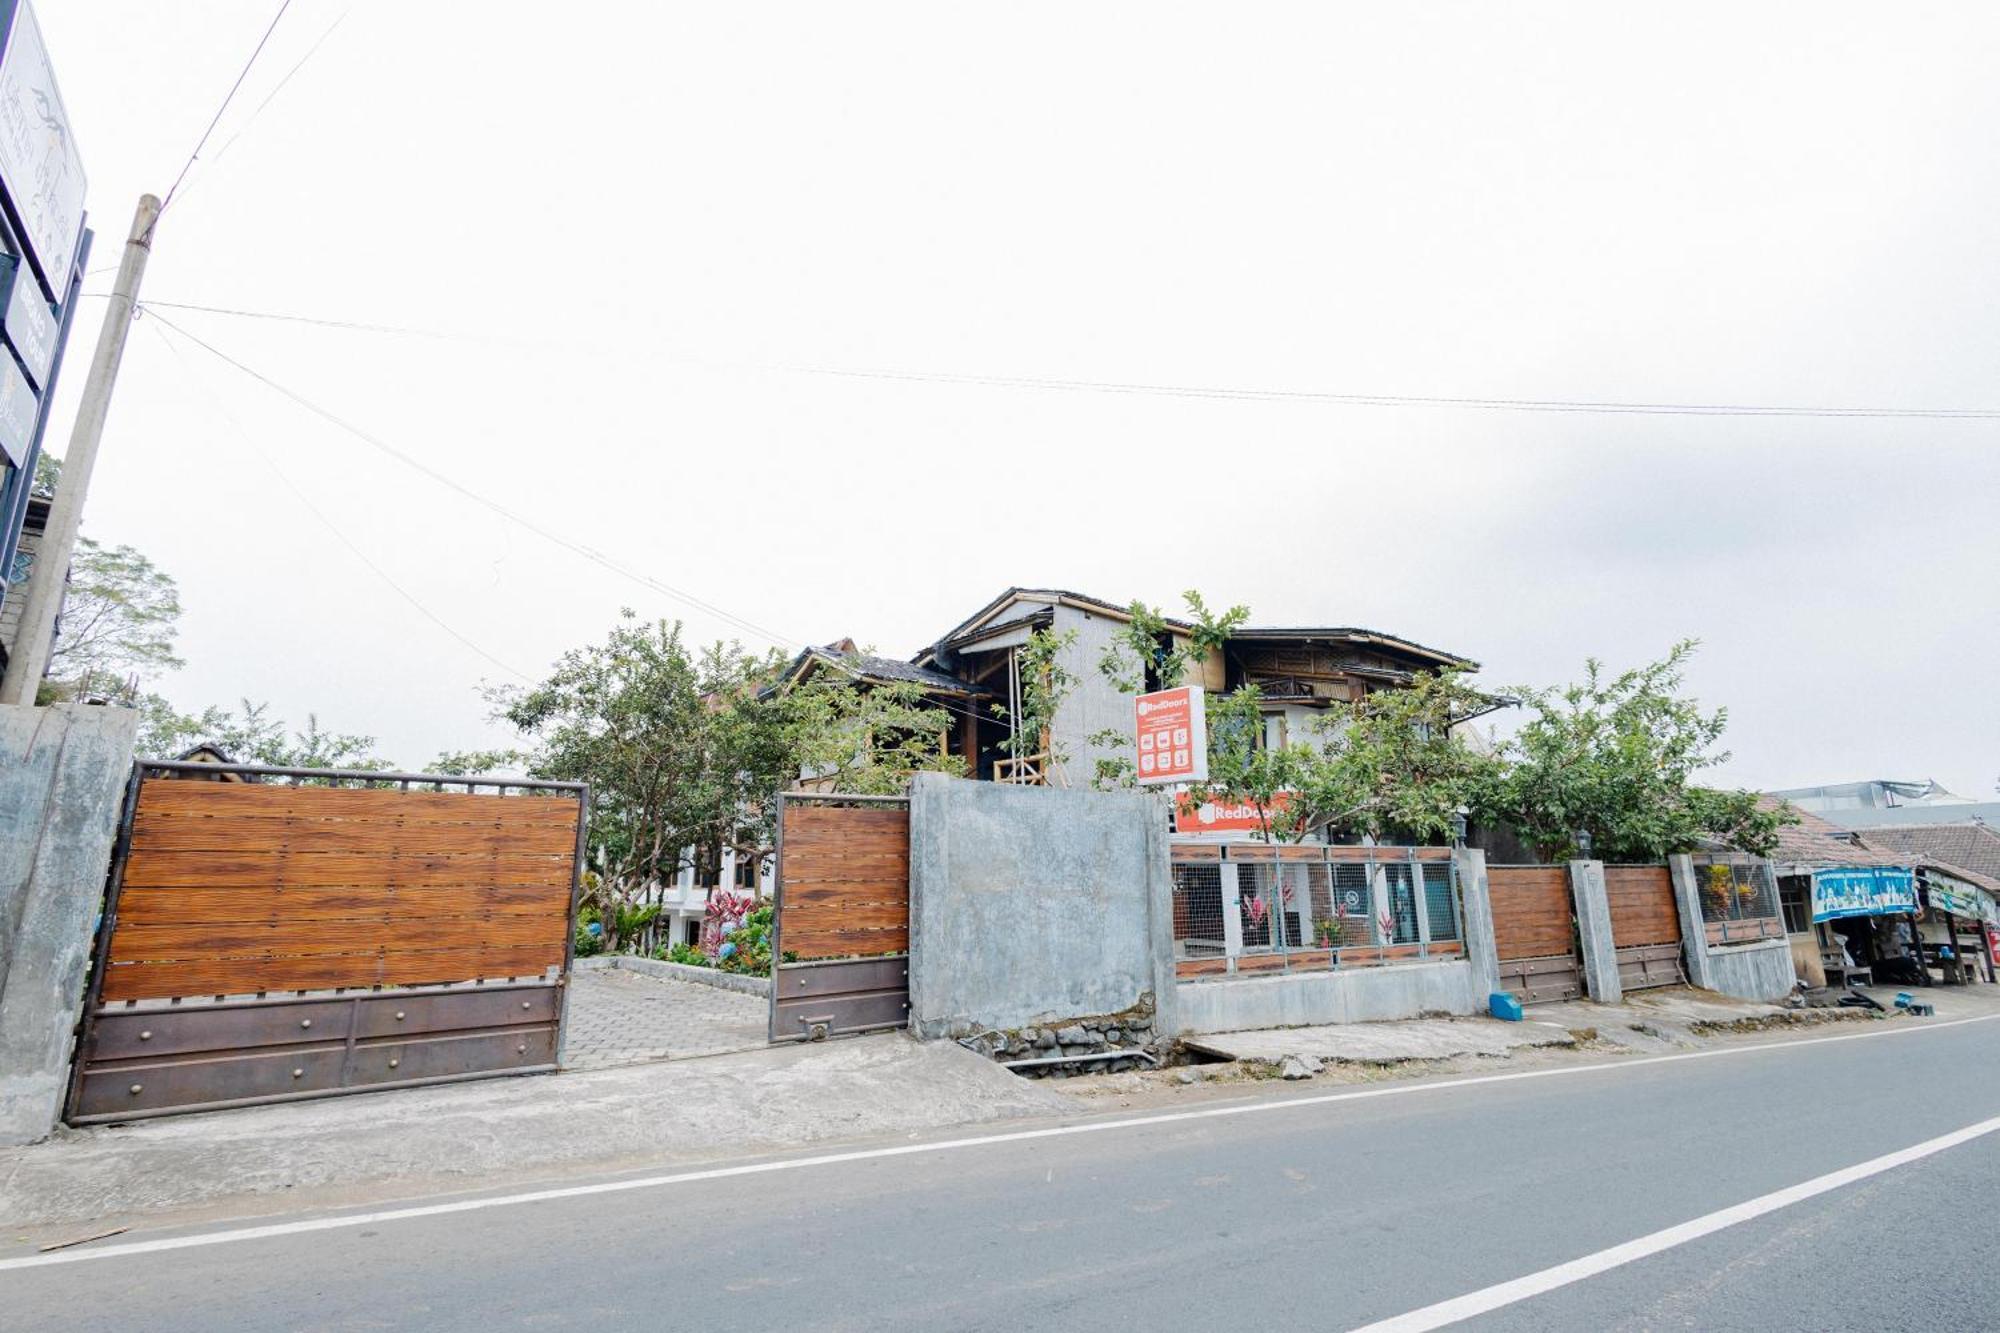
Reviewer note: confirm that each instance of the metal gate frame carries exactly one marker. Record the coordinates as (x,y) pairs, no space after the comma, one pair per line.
(869,985)
(459,1031)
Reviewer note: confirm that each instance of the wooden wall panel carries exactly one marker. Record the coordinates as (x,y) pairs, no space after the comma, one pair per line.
(1643,910)
(1531,911)
(235,888)
(844,881)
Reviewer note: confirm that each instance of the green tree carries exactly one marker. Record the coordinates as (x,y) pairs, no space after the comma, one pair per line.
(251,735)
(120,617)
(865,737)
(1615,756)
(1045,683)
(1148,652)
(1390,765)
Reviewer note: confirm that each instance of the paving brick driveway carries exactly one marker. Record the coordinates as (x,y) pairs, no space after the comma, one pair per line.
(621,1018)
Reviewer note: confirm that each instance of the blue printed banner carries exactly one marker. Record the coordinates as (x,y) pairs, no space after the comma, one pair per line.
(1862,892)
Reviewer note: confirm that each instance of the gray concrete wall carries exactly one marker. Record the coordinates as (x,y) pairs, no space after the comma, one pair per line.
(1694,934)
(1482,952)
(63,772)
(1093,704)
(1032,906)
(1358,995)
(1593,930)
(1760,971)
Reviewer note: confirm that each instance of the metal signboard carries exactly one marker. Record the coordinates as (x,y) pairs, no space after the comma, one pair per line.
(28,323)
(1173,735)
(1862,892)
(1228,816)
(18,408)
(41,175)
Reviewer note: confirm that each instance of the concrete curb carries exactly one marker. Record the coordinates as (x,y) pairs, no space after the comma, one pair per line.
(701,976)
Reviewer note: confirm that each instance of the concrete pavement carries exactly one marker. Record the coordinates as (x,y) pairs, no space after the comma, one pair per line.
(1303,1209)
(470,1135)
(618,1017)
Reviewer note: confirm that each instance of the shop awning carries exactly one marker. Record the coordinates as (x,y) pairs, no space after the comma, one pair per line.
(1862,891)
(1950,894)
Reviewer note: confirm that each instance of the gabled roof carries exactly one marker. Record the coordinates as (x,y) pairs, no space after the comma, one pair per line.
(1123,611)
(1972,847)
(1011,595)
(1354,634)
(871,669)
(1812,842)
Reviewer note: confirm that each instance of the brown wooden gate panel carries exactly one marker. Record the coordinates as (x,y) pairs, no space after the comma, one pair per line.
(264,940)
(841,938)
(1534,932)
(1645,926)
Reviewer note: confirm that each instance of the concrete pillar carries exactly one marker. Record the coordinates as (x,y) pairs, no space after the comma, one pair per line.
(1593,930)
(1694,932)
(1476,902)
(1160,924)
(1232,914)
(1422,908)
(63,774)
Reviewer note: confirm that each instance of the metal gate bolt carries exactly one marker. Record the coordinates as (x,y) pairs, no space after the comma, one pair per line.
(138,1088)
(394,1063)
(305,1022)
(298,1073)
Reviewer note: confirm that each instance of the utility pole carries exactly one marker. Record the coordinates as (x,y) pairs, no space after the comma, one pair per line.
(45,586)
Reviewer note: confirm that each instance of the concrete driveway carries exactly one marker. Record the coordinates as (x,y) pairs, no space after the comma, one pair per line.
(618,1018)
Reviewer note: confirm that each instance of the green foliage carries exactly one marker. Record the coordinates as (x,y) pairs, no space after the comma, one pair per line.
(1147,645)
(119,621)
(1241,768)
(753,944)
(1392,765)
(1148,650)
(1045,683)
(687,955)
(866,739)
(677,750)
(588,942)
(473,763)
(1614,756)
(250,735)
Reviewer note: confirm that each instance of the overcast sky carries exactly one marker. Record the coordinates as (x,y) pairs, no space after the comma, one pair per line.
(647,234)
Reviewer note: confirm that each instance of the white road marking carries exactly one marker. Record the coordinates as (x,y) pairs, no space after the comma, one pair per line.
(1488,1299)
(386,1215)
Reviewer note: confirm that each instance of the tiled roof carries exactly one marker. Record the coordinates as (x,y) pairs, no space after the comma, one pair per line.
(879,669)
(1814,842)
(1973,847)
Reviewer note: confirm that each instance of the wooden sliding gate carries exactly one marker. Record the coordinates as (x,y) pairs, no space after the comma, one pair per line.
(840,945)
(268,936)
(1645,926)
(1534,932)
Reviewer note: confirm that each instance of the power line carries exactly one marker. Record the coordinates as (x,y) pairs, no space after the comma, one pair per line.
(589,553)
(243,74)
(1224,393)
(251,119)
(331,526)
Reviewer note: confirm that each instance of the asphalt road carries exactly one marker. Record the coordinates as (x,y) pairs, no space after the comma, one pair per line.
(1303,1209)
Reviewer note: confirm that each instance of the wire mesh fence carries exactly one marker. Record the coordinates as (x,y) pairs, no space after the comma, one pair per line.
(1739,900)
(1262,909)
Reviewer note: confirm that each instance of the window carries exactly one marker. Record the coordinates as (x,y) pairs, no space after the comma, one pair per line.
(1274,731)
(691,932)
(746,872)
(1795,897)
